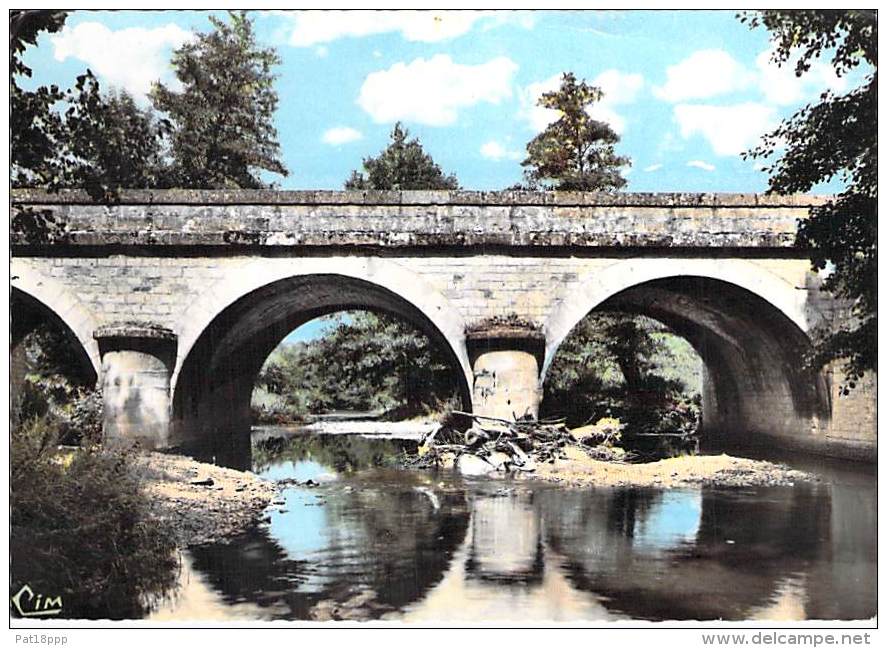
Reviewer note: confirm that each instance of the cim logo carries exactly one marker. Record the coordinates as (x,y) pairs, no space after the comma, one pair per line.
(29,604)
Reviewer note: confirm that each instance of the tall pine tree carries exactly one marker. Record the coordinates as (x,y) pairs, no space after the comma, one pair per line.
(575,152)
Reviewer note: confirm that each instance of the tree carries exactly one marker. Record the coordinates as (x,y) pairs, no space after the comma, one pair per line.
(404,164)
(367,361)
(33,126)
(223,131)
(627,366)
(79,137)
(834,138)
(576,152)
(110,143)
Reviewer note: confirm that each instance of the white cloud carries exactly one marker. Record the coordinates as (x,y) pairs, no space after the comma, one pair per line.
(730,130)
(313,27)
(705,73)
(699,164)
(321,51)
(493,150)
(432,91)
(618,88)
(713,72)
(652,168)
(131,58)
(341,135)
(536,116)
(780,85)
(735,128)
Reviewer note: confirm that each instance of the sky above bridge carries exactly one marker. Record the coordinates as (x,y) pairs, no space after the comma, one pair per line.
(688,91)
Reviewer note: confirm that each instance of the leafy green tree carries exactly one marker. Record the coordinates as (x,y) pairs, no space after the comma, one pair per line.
(33,126)
(619,365)
(576,152)
(77,137)
(222,121)
(837,137)
(110,143)
(403,164)
(366,361)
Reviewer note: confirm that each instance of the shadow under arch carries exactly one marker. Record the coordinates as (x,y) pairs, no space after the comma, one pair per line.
(212,390)
(36,298)
(27,314)
(755,381)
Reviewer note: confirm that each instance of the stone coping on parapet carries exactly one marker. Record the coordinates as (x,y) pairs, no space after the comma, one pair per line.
(394,198)
(441,219)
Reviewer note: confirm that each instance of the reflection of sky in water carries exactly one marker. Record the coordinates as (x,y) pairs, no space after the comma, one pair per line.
(300,470)
(299,529)
(308,526)
(554,554)
(673,519)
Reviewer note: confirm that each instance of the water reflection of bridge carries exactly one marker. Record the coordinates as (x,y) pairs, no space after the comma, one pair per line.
(516,553)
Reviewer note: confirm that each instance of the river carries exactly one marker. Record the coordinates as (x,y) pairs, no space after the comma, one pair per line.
(364,540)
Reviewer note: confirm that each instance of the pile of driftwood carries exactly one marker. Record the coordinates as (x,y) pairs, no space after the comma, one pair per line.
(492,444)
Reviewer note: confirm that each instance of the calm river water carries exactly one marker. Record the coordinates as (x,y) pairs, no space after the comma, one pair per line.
(372,542)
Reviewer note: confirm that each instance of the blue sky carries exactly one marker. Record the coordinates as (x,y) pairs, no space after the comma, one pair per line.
(687,90)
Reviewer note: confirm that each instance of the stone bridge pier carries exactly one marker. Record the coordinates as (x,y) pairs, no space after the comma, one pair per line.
(173,300)
(506,362)
(137,364)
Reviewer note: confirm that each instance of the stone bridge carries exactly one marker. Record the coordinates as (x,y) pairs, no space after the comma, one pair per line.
(176,298)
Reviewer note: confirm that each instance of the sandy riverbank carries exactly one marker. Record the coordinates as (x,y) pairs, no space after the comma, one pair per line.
(204,503)
(713,470)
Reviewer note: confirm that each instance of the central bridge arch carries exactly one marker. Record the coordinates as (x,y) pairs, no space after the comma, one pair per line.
(749,326)
(228,333)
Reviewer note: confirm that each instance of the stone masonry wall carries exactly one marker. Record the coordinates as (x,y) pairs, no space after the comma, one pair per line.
(153,255)
(160,289)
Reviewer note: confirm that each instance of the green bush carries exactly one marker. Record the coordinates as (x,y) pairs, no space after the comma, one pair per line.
(85,418)
(81,529)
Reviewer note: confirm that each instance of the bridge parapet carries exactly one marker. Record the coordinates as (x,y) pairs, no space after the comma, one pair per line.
(417,218)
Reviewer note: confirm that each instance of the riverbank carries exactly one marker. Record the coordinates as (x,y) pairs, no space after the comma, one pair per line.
(573,466)
(709,470)
(203,503)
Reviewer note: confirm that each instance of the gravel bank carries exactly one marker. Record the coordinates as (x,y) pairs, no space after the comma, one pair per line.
(714,470)
(204,503)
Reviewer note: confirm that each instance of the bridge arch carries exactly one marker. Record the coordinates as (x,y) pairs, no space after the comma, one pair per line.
(749,326)
(35,295)
(226,335)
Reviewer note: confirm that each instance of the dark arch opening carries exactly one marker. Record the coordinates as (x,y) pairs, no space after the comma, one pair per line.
(28,314)
(51,374)
(211,398)
(756,387)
